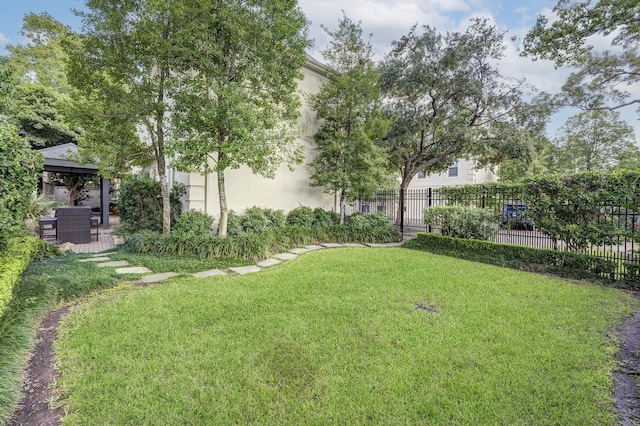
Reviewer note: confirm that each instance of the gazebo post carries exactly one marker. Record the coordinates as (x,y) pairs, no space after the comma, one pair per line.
(104,202)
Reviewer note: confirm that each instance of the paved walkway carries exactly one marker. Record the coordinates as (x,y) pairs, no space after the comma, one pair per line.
(102,260)
(104,243)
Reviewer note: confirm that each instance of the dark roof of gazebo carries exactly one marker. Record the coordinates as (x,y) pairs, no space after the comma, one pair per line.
(55,160)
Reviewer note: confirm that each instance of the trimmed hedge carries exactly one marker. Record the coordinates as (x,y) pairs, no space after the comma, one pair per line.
(254,245)
(564,264)
(12,263)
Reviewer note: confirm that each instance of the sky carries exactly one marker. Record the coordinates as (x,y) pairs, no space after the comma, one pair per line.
(386,21)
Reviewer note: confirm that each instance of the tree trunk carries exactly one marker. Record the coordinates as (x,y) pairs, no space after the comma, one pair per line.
(224,210)
(164,190)
(406,180)
(341,210)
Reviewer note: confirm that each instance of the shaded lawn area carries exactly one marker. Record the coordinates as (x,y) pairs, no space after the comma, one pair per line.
(335,337)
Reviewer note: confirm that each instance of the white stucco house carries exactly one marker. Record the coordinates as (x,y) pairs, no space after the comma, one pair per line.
(462,172)
(288,190)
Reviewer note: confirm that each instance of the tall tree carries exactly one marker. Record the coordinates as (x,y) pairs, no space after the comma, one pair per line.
(40,96)
(126,64)
(595,141)
(236,102)
(348,162)
(448,100)
(604,78)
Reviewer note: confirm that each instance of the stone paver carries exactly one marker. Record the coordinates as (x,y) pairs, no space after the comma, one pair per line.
(376,245)
(133,270)
(268,262)
(156,278)
(314,247)
(209,273)
(354,245)
(114,263)
(103,254)
(95,259)
(244,270)
(331,245)
(298,250)
(285,256)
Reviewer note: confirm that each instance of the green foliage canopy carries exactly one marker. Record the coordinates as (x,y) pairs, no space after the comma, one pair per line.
(348,161)
(448,100)
(19,167)
(235,98)
(603,79)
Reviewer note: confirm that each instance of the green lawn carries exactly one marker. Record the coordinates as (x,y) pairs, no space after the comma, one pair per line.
(335,337)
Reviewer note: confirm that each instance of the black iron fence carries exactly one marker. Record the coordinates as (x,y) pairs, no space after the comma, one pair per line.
(406,210)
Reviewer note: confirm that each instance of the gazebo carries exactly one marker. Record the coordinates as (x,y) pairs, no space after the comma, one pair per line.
(56,161)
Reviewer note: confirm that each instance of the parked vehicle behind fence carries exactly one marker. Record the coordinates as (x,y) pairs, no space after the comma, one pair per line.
(514,215)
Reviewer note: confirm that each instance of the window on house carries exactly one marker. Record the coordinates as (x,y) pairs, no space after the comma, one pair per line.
(453,170)
(422,175)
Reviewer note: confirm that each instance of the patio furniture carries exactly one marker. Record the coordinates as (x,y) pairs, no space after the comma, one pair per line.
(48,223)
(74,224)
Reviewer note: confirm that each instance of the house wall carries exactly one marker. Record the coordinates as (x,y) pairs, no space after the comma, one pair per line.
(288,190)
(467,174)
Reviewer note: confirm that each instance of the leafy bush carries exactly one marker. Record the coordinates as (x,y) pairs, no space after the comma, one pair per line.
(360,221)
(39,206)
(302,216)
(257,219)
(12,263)
(318,217)
(564,264)
(234,224)
(194,222)
(19,168)
(140,204)
(462,222)
(577,208)
(322,217)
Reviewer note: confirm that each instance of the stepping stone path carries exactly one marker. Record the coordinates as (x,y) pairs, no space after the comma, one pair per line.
(102,260)
(244,270)
(157,278)
(268,262)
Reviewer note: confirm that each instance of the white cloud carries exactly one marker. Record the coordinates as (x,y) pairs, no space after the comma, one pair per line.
(4,40)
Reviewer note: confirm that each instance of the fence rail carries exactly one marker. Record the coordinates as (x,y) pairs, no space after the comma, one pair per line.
(625,247)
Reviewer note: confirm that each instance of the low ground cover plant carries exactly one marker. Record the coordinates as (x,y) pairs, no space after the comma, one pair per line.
(46,282)
(254,246)
(347,336)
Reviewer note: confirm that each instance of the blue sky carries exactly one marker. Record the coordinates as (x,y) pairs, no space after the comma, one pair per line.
(385,20)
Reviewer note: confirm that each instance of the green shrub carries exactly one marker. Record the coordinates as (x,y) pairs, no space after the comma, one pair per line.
(12,263)
(19,169)
(140,204)
(234,224)
(462,222)
(257,219)
(322,217)
(302,216)
(194,222)
(564,264)
(358,221)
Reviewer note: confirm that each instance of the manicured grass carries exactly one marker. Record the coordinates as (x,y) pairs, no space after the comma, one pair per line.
(179,264)
(335,338)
